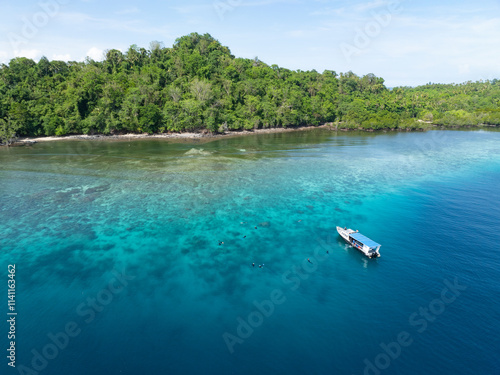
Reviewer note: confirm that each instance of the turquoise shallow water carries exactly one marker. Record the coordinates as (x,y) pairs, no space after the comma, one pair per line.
(74,215)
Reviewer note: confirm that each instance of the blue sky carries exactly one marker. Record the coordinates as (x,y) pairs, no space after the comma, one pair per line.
(405,42)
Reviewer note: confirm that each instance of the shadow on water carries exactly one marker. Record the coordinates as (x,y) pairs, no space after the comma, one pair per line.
(357,257)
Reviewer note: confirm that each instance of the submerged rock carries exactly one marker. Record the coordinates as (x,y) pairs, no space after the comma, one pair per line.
(197,151)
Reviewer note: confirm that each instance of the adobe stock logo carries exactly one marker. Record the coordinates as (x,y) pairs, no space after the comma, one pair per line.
(372,29)
(222,7)
(32,25)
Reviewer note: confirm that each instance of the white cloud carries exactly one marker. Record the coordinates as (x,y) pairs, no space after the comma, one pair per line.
(87,21)
(4,57)
(188,9)
(96,54)
(329,12)
(441,48)
(464,68)
(418,44)
(262,2)
(297,33)
(223,5)
(371,5)
(130,10)
(359,11)
(29,53)
(66,57)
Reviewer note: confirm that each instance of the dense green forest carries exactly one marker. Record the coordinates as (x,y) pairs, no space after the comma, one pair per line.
(197,84)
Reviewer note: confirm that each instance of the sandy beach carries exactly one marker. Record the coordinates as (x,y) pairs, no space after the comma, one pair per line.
(180,136)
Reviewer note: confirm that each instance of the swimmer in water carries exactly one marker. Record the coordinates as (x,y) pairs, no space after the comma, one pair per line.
(253,264)
(309,260)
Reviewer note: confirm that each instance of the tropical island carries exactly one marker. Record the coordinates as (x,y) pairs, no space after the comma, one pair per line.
(198,85)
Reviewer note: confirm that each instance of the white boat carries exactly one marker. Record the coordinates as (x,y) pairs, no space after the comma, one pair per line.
(368,247)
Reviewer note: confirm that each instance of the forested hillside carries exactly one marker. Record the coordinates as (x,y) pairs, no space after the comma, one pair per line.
(198,84)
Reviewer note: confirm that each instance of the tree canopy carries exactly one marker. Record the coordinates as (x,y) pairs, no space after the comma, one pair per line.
(198,84)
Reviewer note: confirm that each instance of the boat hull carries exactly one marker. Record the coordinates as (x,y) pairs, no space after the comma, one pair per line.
(367,251)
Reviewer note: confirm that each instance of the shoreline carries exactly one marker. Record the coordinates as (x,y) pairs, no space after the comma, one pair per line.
(174,135)
(207,136)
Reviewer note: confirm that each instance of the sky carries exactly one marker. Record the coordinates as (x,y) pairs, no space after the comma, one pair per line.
(406,42)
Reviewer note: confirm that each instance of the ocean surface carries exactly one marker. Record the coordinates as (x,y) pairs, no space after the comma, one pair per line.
(136,257)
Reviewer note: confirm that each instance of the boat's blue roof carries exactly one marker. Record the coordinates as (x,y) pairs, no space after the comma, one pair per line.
(365,240)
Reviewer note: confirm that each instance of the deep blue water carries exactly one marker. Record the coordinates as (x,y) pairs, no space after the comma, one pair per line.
(74,215)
